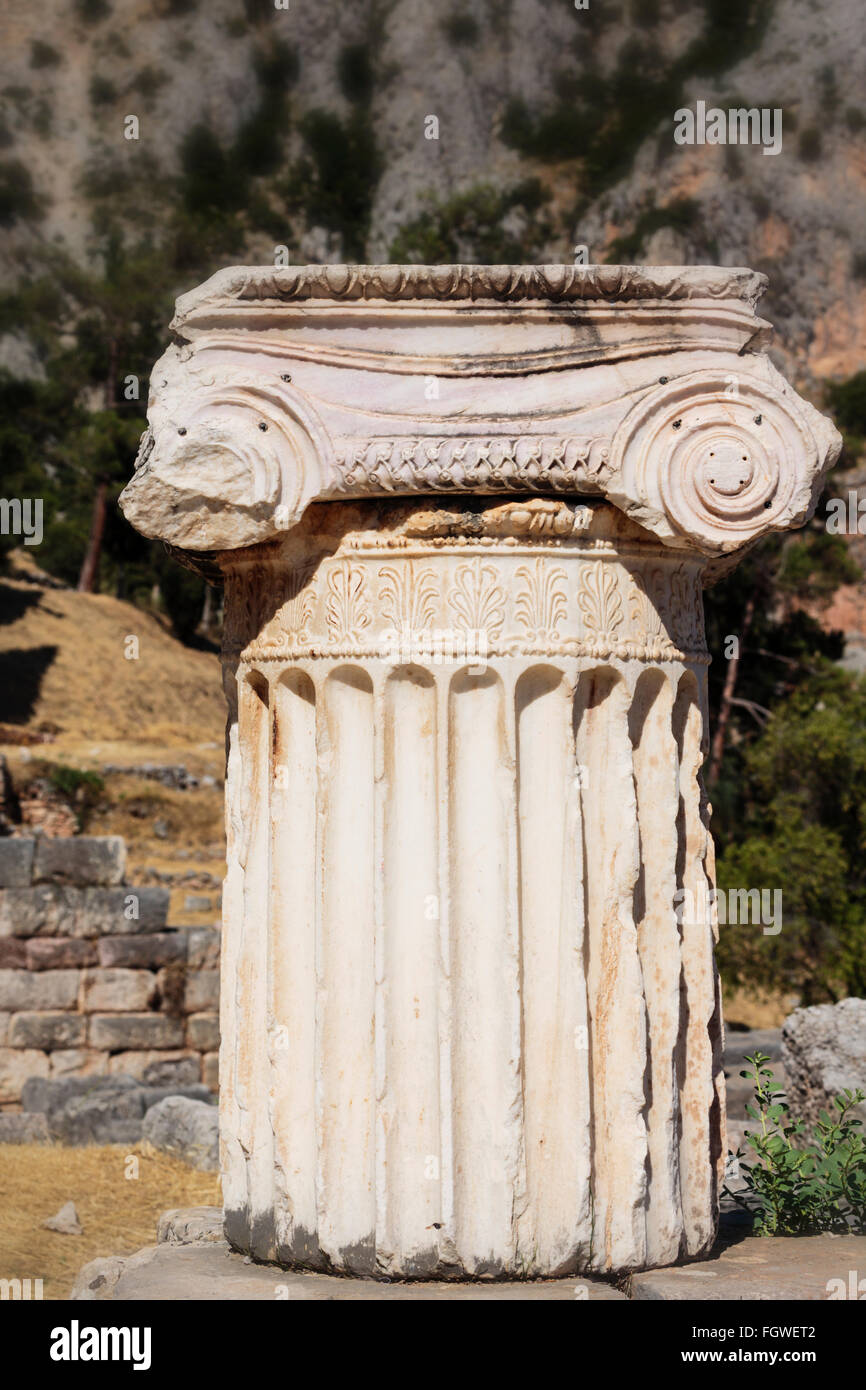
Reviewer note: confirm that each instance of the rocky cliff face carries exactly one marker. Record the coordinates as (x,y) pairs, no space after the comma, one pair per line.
(554,126)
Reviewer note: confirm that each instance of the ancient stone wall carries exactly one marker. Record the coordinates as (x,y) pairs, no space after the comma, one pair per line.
(92,979)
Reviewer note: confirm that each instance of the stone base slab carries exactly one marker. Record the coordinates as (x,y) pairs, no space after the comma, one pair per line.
(763,1269)
(211,1271)
(192,1262)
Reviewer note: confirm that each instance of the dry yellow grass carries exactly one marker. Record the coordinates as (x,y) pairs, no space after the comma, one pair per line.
(118,1213)
(171,694)
(752,1009)
(192,819)
(63,668)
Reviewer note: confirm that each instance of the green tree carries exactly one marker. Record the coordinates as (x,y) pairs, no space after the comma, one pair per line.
(70,435)
(803,830)
(765,638)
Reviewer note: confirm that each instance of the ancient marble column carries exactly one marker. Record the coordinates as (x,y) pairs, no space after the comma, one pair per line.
(463,516)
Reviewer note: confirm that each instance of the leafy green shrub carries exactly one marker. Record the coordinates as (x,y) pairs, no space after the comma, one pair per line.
(829,90)
(334,181)
(682,214)
(801,827)
(461,28)
(148,81)
(602,120)
(259,11)
(811,144)
(814,565)
(83,790)
(92,11)
(355,73)
(102,91)
(42,55)
(277,66)
(474,225)
(183,597)
(645,13)
(258,146)
(847,400)
(42,118)
(212,181)
(802,1190)
(18,198)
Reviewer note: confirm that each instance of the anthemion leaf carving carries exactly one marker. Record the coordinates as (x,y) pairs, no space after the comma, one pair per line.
(647,607)
(477,600)
(407,595)
(346,612)
(685,608)
(599,600)
(298,604)
(542,603)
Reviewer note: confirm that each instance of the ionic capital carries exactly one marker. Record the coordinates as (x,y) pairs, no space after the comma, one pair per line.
(648,387)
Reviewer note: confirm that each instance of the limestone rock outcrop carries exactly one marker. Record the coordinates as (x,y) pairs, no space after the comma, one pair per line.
(824,1053)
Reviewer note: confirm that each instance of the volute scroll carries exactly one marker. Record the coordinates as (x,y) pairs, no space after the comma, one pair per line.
(715,460)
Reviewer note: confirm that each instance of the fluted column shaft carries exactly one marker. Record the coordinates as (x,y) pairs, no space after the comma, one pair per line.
(467,1030)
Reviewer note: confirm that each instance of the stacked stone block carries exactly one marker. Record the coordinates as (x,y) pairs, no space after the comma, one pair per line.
(92,979)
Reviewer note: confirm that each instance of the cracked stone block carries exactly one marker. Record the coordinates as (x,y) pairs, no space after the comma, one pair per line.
(16,862)
(203,1032)
(203,952)
(48,1031)
(80,860)
(18,1066)
(117,991)
(13,953)
(24,1129)
(58,953)
(48,910)
(45,989)
(186,1129)
(824,1053)
(148,951)
(155,1068)
(190,1225)
(135,1032)
(202,991)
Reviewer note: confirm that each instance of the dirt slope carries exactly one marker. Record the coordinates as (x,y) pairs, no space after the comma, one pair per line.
(63,667)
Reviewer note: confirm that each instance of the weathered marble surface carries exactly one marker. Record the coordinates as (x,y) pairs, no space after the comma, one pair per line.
(463,516)
(645,385)
(452,883)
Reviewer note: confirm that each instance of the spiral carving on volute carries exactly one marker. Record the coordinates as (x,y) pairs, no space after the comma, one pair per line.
(229,466)
(717,460)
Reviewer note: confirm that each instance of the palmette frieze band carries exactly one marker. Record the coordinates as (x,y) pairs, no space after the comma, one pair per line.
(523,578)
(617,612)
